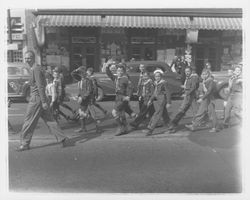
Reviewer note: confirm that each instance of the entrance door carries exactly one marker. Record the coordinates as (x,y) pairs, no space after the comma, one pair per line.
(84,54)
(142,52)
(206,53)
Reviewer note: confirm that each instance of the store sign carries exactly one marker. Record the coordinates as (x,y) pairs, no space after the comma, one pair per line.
(162,32)
(83,40)
(142,40)
(17,36)
(192,36)
(110,30)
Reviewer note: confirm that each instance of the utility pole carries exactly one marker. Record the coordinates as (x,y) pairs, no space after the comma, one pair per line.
(10,34)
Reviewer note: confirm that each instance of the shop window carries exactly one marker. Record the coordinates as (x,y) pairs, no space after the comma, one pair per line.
(17,56)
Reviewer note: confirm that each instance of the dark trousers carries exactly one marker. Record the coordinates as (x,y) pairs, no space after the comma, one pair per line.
(207,107)
(33,113)
(144,110)
(160,111)
(119,113)
(187,102)
(234,102)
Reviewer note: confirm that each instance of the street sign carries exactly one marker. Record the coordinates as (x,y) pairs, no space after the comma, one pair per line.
(17,36)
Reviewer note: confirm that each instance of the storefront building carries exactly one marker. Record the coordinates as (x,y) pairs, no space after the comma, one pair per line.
(90,37)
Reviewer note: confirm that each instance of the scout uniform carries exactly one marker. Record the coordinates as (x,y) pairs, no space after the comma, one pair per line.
(234,100)
(35,109)
(122,89)
(190,87)
(160,98)
(207,105)
(145,92)
(85,94)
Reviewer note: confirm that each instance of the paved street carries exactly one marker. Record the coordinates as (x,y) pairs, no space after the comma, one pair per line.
(186,162)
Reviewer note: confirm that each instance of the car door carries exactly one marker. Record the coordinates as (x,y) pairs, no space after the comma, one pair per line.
(14,81)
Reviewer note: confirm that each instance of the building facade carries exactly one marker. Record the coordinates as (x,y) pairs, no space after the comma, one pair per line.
(89,37)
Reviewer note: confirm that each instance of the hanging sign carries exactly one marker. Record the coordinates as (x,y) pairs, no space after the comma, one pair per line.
(192,36)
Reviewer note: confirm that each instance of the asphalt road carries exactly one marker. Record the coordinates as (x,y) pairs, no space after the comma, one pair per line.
(185,162)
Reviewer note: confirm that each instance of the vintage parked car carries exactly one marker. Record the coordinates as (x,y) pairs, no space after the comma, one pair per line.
(106,86)
(18,81)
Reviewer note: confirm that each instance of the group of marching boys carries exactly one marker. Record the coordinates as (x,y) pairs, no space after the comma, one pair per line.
(154,98)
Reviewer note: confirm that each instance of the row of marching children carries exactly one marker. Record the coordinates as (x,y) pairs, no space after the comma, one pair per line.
(154,99)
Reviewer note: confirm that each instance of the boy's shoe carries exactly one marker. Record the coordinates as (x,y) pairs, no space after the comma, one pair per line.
(133,115)
(81,130)
(133,126)
(213,130)
(190,127)
(23,147)
(149,132)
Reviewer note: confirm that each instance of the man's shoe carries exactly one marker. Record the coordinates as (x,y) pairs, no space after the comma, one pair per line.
(23,147)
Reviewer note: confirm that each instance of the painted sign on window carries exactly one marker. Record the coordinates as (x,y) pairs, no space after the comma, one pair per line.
(84,40)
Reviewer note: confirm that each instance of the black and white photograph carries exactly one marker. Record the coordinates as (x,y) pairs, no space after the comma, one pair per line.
(140,99)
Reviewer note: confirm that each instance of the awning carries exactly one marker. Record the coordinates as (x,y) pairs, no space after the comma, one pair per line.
(71,20)
(163,22)
(147,22)
(213,23)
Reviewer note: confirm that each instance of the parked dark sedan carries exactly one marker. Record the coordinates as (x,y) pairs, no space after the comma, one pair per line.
(18,81)
(106,86)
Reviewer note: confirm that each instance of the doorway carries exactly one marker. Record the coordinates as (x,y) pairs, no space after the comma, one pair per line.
(142,52)
(208,53)
(84,54)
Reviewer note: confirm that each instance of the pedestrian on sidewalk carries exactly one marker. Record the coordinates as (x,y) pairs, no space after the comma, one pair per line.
(146,91)
(235,97)
(85,94)
(190,86)
(51,94)
(161,99)
(207,103)
(123,93)
(38,107)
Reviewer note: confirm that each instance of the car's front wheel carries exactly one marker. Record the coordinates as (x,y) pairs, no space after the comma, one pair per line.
(100,94)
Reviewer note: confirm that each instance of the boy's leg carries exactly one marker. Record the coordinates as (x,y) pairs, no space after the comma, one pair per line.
(52,125)
(228,110)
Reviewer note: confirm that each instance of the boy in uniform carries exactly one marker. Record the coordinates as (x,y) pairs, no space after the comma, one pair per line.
(123,93)
(90,73)
(190,86)
(145,92)
(207,103)
(161,99)
(86,90)
(235,97)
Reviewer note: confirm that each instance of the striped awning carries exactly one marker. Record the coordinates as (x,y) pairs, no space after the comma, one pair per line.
(213,23)
(70,20)
(163,22)
(147,22)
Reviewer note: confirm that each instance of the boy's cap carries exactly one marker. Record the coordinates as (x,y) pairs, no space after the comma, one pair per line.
(158,71)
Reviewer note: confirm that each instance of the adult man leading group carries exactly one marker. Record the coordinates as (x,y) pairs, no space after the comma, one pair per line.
(38,107)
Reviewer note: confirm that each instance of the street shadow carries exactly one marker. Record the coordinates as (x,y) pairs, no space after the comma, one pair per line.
(225,138)
(80,138)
